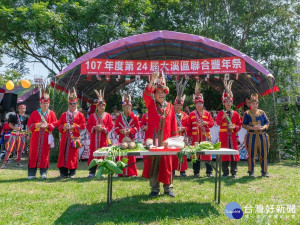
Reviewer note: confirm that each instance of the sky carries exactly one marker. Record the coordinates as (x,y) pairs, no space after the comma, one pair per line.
(36,70)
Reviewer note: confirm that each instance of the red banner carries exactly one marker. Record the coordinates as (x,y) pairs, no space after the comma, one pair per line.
(170,67)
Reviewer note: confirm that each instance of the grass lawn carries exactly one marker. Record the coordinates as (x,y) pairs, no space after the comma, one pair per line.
(82,200)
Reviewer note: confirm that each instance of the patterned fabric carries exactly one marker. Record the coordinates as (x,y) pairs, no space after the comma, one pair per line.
(98,139)
(198,132)
(256,141)
(68,155)
(132,123)
(17,142)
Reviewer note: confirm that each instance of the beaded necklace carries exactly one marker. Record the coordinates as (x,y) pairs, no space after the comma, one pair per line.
(98,114)
(125,120)
(44,115)
(163,107)
(178,118)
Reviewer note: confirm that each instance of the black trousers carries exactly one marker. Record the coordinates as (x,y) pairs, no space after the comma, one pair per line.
(233,167)
(66,172)
(93,170)
(196,167)
(32,171)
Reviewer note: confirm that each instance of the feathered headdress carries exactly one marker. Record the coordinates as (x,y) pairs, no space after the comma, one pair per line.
(126,98)
(160,82)
(44,96)
(198,97)
(100,96)
(72,96)
(254,98)
(180,89)
(227,93)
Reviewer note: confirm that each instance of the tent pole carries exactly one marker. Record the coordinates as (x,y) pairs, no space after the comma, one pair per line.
(81,99)
(275,120)
(275,123)
(54,93)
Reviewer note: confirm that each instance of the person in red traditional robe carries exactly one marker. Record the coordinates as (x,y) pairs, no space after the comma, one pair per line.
(198,124)
(69,125)
(127,125)
(115,113)
(99,125)
(230,123)
(92,107)
(181,118)
(144,126)
(162,126)
(41,123)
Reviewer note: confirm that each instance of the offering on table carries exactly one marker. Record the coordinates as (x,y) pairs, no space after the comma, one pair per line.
(174,142)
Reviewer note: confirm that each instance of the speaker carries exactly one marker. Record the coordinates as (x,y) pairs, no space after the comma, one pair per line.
(9,101)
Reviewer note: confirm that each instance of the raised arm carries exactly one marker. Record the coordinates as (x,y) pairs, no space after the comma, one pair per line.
(149,89)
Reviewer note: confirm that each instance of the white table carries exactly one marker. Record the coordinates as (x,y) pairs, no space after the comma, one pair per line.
(217,167)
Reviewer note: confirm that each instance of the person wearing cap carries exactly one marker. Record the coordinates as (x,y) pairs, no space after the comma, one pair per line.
(198,127)
(257,140)
(17,140)
(162,125)
(230,123)
(127,125)
(98,125)
(181,119)
(69,125)
(41,123)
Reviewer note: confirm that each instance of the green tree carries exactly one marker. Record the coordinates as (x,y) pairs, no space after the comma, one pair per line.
(12,75)
(58,32)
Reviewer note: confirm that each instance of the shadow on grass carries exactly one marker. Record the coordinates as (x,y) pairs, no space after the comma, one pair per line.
(13,166)
(76,179)
(50,180)
(228,181)
(136,209)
